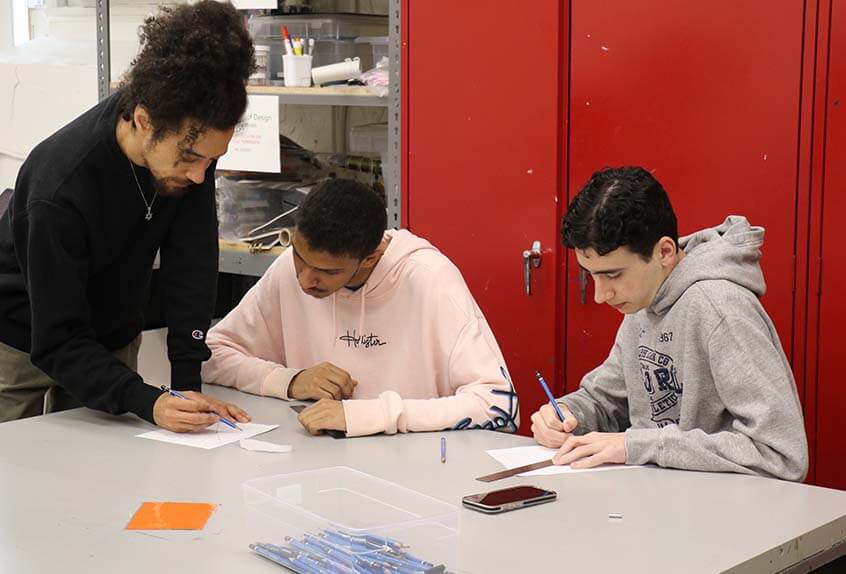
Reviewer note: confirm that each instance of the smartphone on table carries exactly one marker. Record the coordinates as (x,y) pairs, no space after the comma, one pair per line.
(331,432)
(506,499)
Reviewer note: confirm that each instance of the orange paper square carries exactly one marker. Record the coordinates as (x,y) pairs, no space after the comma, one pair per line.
(171,516)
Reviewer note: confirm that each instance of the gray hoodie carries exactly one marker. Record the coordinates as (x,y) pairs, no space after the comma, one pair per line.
(698,380)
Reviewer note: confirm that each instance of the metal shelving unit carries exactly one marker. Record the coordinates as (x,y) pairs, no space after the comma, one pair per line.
(337,96)
(393,190)
(255,264)
(340,96)
(104,70)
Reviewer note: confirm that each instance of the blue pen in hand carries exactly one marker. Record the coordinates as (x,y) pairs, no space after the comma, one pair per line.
(224,420)
(549,395)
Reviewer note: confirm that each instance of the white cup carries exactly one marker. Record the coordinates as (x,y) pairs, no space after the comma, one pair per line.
(297,70)
(346,70)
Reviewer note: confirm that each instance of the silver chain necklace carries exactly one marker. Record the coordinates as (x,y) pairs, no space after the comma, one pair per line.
(149,205)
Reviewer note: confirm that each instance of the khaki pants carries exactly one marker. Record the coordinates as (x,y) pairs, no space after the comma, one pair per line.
(25,391)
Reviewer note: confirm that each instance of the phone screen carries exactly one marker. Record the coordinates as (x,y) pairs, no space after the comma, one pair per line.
(514,494)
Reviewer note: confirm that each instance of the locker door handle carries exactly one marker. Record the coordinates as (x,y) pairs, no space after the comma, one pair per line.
(531,259)
(583,281)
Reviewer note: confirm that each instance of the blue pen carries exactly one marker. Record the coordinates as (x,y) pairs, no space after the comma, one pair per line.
(316,560)
(280,559)
(549,395)
(338,560)
(224,420)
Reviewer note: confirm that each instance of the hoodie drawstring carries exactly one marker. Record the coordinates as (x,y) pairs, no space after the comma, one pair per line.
(334,319)
(361,313)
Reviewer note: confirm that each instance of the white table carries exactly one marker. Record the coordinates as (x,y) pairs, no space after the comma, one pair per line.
(71,481)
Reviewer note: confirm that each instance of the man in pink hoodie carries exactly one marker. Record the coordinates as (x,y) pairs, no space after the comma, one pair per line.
(378,326)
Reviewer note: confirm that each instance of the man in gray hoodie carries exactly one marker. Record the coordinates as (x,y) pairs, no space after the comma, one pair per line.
(696,378)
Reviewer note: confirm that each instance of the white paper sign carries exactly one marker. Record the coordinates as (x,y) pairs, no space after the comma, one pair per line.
(255,145)
(250,4)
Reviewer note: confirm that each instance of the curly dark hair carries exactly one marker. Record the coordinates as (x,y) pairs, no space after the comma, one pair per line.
(343,217)
(194,63)
(619,207)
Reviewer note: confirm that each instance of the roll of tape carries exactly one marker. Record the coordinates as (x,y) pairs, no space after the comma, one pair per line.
(286,236)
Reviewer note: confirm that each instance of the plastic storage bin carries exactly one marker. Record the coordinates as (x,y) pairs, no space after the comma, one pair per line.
(325,52)
(243,205)
(371,139)
(334,37)
(333,51)
(342,499)
(379,46)
(267,29)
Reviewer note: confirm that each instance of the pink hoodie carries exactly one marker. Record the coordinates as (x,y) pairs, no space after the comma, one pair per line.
(412,336)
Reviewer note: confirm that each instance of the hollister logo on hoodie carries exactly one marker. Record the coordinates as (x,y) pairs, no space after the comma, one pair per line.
(366,341)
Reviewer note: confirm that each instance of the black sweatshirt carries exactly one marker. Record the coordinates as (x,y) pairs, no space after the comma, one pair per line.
(76,260)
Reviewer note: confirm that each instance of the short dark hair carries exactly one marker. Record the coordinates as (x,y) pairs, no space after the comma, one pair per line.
(342,217)
(194,63)
(619,207)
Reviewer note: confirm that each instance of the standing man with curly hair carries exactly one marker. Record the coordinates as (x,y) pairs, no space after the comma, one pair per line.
(93,204)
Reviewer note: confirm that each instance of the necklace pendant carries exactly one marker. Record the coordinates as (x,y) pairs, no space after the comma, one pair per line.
(149,215)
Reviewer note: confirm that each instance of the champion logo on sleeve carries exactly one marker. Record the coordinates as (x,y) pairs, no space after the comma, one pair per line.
(197,334)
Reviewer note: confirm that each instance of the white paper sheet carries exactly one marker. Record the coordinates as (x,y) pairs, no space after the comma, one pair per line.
(263,446)
(522,455)
(214,436)
(250,4)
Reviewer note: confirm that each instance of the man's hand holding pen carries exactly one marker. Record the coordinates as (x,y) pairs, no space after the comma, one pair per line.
(579,451)
(179,415)
(549,430)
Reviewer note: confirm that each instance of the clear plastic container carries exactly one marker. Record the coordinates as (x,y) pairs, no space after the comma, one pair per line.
(334,36)
(243,205)
(333,51)
(342,499)
(325,52)
(379,46)
(266,29)
(371,139)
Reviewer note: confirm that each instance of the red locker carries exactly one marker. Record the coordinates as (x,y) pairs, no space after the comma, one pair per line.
(707,96)
(729,103)
(482,148)
(831,268)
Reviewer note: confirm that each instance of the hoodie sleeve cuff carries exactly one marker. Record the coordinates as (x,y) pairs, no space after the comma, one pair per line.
(581,428)
(364,417)
(140,397)
(644,446)
(277,382)
(185,376)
